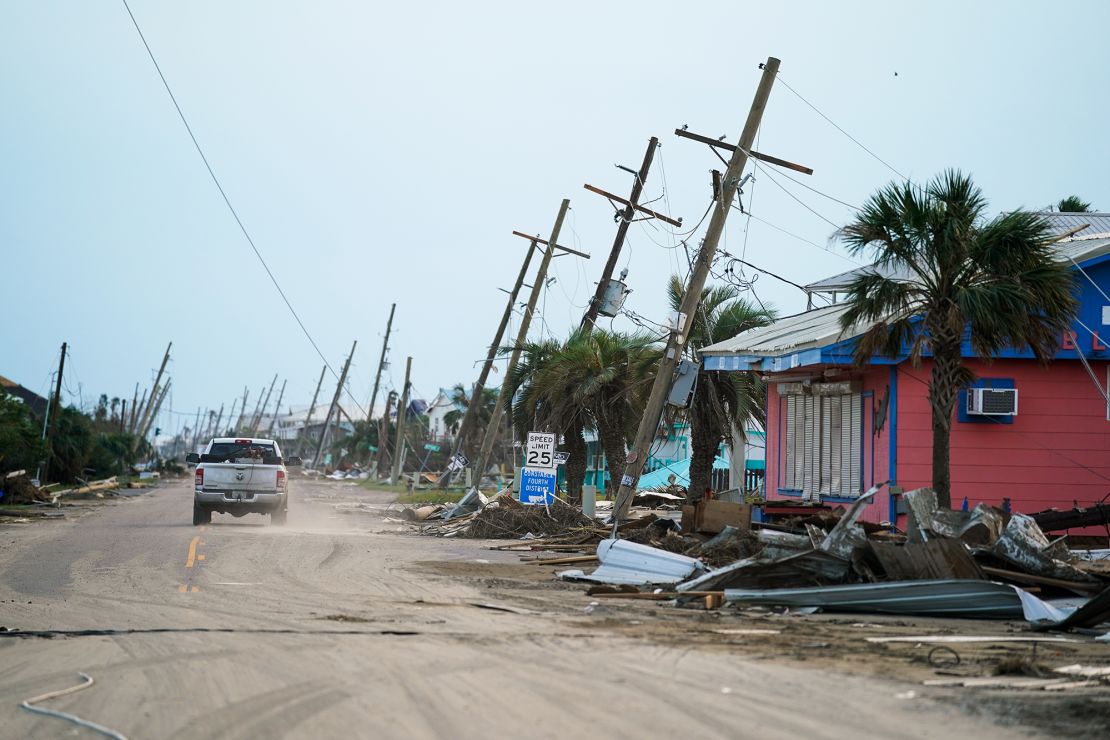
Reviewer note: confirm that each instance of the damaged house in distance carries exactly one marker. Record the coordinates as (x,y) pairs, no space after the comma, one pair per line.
(1026,436)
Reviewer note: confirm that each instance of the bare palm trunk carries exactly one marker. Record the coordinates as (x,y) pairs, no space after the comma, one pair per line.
(944,388)
(705,438)
(576,465)
(611,437)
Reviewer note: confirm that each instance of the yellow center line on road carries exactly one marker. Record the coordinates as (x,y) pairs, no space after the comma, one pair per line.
(192,559)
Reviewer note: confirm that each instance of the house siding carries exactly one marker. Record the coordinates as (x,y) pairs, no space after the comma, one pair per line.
(1055,453)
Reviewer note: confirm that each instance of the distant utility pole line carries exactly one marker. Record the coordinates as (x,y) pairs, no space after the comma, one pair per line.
(470,418)
(383,435)
(334,403)
(242,410)
(381,364)
(691,299)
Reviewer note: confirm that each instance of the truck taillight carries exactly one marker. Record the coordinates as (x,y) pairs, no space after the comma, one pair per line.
(200,478)
(281,479)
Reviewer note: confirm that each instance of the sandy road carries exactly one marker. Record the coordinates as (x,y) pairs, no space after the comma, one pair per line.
(339,626)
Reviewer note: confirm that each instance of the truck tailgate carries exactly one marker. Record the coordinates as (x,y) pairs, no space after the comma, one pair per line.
(240,477)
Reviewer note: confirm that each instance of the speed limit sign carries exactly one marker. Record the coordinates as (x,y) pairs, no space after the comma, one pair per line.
(540,452)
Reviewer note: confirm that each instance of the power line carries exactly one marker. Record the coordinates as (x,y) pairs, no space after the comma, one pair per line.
(227,200)
(838,128)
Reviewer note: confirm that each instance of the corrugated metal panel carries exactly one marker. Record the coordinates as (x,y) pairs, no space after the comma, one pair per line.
(791,442)
(855,447)
(812,328)
(947,598)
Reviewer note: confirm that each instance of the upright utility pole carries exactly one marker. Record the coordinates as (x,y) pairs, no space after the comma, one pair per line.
(471,415)
(691,298)
(381,364)
(494,428)
(334,403)
(311,411)
(144,424)
(52,412)
(622,230)
(402,411)
(242,410)
(383,434)
(258,419)
(277,410)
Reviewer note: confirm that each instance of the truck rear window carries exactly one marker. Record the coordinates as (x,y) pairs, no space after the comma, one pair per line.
(232,452)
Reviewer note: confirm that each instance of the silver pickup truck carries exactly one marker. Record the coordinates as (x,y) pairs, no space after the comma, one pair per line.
(241,476)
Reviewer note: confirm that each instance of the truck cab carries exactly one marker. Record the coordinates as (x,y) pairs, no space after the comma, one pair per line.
(240,476)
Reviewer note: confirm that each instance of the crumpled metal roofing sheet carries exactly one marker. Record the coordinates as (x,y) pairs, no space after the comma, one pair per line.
(624,562)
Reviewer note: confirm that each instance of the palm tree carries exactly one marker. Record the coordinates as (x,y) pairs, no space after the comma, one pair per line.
(722,401)
(594,380)
(995,283)
(610,374)
(1073,204)
(543,401)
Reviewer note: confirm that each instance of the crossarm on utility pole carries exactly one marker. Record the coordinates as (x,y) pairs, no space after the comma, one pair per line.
(536,239)
(691,298)
(732,148)
(641,209)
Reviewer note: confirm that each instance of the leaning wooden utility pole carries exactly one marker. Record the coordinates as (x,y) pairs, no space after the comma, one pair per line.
(144,423)
(196,432)
(383,434)
(402,411)
(691,298)
(331,409)
(277,410)
(52,410)
(156,408)
(302,438)
(134,426)
(262,412)
(242,410)
(622,230)
(216,426)
(381,364)
(493,430)
(472,408)
(134,410)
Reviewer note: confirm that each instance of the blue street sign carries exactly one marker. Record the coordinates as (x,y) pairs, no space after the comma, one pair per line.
(537,486)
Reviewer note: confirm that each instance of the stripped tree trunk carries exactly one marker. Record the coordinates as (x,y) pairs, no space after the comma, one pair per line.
(944,388)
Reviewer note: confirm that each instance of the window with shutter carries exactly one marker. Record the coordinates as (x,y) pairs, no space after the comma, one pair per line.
(822,437)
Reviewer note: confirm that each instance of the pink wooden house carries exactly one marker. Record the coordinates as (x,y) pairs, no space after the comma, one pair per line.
(1035,435)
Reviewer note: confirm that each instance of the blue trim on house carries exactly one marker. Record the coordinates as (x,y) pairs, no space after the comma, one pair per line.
(961,402)
(892,437)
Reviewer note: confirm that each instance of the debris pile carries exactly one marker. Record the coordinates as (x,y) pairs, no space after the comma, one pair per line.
(16,488)
(508,518)
(984,563)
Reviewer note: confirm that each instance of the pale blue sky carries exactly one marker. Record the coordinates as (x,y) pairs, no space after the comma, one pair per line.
(383,152)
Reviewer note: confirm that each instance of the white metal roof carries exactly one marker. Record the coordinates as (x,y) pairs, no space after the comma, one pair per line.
(810,329)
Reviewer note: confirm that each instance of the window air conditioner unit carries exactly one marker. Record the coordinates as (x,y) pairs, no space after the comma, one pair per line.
(992,401)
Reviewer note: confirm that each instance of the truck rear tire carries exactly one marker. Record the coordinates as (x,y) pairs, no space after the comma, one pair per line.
(201,515)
